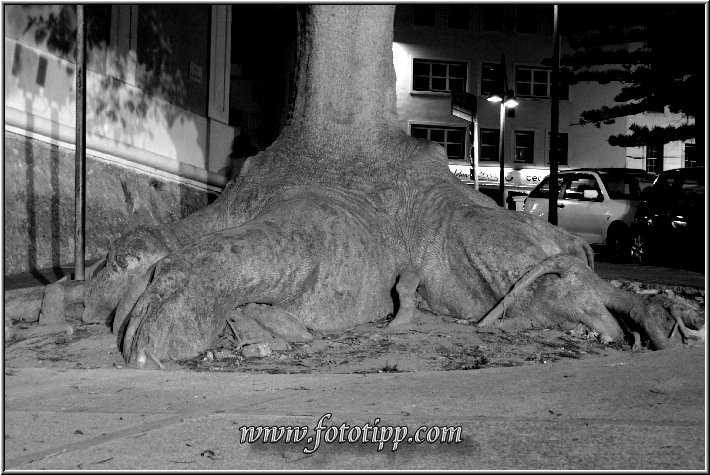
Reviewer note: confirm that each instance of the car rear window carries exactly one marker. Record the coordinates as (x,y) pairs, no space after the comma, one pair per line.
(622,187)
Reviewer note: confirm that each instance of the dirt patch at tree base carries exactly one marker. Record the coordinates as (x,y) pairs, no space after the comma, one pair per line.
(430,343)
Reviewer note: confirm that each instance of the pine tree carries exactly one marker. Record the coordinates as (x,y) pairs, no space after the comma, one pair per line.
(655,51)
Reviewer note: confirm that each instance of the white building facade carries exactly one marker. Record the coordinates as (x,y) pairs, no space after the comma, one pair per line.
(157,132)
(439,48)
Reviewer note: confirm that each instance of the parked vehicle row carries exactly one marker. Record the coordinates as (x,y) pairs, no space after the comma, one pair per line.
(631,214)
(597,204)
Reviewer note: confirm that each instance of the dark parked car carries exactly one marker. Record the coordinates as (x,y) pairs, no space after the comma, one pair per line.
(669,225)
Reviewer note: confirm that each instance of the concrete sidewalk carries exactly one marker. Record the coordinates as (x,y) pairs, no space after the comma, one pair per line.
(641,411)
(648,274)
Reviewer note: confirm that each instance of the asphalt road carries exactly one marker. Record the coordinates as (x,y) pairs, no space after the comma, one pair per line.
(649,274)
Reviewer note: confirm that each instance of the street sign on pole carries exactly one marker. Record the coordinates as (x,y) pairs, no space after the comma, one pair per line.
(465,106)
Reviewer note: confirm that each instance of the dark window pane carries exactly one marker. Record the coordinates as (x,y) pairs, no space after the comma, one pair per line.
(458,16)
(541,76)
(527,18)
(489,72)
(454,151)
(421,83)
(523,140)
(438,69)
(524,146)
(489,144)
(419,132)
(490,78)
(540,90)
(424,15)
(454,136)
(438,84)
(491,17)
(164,52)
(436,135)
(421,68)
(522,74)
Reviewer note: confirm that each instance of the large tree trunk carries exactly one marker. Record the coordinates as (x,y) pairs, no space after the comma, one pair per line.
(340,211)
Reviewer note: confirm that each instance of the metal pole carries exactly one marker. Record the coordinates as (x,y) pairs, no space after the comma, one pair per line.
(475,155)
(501,155)
(554,120)
(80,158)
(501,138)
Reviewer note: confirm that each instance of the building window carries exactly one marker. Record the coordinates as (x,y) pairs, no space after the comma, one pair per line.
(439,76)
(489,144)
(453,139)
(490,78)
(537,82)
(492,17)
(562,147)
(691,157)
(458,16)
(534,82)
(526,18)
(424,15)
(524,146)
(654,158)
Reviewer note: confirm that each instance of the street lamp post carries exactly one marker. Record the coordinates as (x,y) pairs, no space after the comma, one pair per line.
(506,98)
(554,121)
(80,149)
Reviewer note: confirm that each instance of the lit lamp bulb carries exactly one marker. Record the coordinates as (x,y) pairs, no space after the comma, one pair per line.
(510,102)
(495,98)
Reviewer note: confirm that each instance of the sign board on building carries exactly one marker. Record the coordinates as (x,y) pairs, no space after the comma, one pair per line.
(463,105)
(529,176)
(526,177)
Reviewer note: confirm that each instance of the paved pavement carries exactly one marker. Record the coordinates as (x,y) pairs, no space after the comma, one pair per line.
(640,411)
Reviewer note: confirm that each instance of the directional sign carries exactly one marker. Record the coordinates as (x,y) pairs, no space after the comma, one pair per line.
(463,105)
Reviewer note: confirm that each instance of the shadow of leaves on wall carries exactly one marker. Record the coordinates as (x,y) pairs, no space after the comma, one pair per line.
(132,85)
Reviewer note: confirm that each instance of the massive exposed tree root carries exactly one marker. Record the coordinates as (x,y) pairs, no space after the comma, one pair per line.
(329,256)
(346,219)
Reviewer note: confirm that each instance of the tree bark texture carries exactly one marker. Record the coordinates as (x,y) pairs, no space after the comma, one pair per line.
(342,212)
